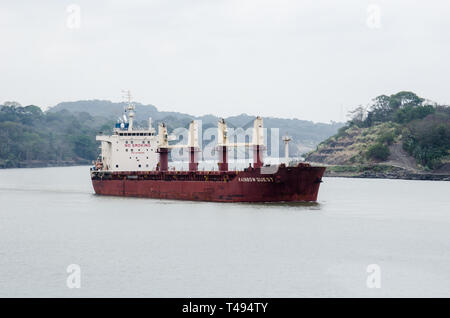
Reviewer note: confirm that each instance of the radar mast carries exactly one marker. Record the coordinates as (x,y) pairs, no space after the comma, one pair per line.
(130,108)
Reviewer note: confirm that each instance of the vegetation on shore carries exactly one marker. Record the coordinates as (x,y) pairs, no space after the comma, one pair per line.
(384,171)
(391,128)
(360,168)
(65,134)
(33,137)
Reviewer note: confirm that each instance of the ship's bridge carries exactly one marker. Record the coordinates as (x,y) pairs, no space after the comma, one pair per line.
(129,149)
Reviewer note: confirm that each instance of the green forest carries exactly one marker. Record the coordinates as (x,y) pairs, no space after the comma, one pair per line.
(31,137)
(59,136)
(65,134)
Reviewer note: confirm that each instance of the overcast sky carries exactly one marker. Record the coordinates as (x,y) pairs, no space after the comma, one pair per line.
(308,59)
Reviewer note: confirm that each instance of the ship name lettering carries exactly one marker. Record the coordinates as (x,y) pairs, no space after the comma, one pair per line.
(137,145)
(257,179)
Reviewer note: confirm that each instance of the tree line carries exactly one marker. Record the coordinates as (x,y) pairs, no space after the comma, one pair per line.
(424,127)
(29,135)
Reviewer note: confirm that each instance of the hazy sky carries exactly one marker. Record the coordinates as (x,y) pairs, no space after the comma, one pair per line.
(308,59)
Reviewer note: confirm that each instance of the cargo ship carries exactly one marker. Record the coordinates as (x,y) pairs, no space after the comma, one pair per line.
(135,162)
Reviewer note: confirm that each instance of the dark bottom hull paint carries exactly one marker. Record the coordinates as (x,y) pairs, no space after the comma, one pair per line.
(287,184)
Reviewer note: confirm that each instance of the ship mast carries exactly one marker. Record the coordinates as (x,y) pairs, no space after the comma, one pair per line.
(286,140)
(130,109)
(257,144)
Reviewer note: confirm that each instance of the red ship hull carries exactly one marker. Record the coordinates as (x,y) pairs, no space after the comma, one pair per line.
(289,184)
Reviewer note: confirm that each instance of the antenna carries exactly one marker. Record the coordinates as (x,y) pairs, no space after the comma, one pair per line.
(130,108)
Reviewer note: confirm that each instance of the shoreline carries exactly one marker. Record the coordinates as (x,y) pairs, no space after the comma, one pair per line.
(360,172)
(383,172)
(40,164)
(418,177)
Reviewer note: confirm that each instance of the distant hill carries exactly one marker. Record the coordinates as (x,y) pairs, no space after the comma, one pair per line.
(306,135)
(31,137)
(402,131)
(65,134)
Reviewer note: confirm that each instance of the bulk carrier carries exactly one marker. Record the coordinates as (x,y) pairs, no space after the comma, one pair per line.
(135,163)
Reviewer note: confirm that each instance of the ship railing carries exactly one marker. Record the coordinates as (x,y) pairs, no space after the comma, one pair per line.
(223,176)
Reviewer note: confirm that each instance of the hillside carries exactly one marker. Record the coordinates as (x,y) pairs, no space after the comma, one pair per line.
(397,134)
(306,135)
(65,134)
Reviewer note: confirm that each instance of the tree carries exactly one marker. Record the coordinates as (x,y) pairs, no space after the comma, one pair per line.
(358,115)
(378,151)
(12,103)
(401,107)
(403,99)
(84,146)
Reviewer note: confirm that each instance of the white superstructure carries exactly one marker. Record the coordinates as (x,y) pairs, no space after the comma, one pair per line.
(130,149)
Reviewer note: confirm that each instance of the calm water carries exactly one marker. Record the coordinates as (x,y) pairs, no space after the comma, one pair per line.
(50,218)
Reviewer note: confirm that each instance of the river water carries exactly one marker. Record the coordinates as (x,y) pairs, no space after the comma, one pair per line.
(50,218)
